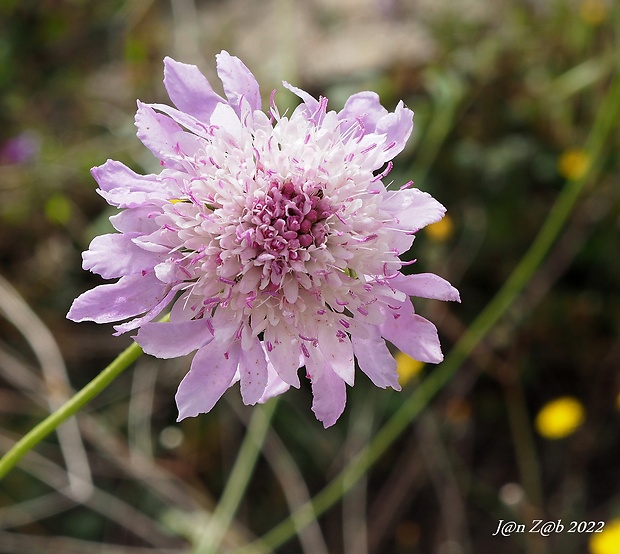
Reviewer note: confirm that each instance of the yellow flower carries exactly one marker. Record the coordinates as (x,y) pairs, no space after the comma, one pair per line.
(593,12)
(573,163)
(608,541)
(440,231)
(559,418)
(618,402)
(407,367)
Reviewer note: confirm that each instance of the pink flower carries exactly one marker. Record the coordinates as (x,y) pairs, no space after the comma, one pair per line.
(273,239)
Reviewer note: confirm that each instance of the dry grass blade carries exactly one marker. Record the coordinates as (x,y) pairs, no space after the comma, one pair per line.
(141,408)
(33,510)
(122,513)
(54,372)
(295,491)
(293,486)
(17,543)
(447,489)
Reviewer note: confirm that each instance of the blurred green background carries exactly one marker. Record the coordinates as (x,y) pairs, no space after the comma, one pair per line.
(505,94)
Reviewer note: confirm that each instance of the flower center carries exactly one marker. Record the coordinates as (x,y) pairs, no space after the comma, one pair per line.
(284,222)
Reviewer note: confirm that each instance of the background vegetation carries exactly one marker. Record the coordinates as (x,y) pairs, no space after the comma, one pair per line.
(506,96)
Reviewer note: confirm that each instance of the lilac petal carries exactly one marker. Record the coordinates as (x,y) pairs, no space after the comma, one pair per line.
(185,307)
(312,104)
(227,120)
(147,317)
(275,385)
(364,107)
(212,372)
(157,132)
(413,335)
(115,255)
(189,89)
(238,82)
(155,242)
(171,340)
(135,220)
(314,361)
(130,296)
(425,285)
(338,353)
(225,322)
(329,397)
(375,360)
(283,353)
(387,293)
(253,373)
(188,121)
(122,187)
(413,209)
(402,242)
(167,272)
(397,127)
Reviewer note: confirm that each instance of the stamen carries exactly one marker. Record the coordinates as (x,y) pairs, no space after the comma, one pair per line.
(320,112)
(315,342)
(369,148)
(304,349)
(273,109)
(340,218)
(381,175)
(362,129)
(367,238)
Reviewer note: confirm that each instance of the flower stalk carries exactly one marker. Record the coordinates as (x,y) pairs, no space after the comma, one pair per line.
(209,540)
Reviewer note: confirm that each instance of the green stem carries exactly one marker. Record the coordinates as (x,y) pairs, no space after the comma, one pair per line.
(447,93)
(606,120)
(209,540)
(69,408)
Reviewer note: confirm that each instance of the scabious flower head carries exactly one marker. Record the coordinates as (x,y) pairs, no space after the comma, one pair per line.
(273,239)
